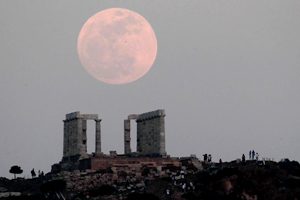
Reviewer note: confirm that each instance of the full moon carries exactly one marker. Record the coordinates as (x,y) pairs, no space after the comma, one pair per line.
(117,46)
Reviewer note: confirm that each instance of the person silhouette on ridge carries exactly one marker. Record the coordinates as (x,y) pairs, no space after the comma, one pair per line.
(205,157)
(209,158)
(33,173)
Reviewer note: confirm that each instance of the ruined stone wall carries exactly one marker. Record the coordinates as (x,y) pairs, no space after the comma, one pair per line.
(151,133)
(100,163)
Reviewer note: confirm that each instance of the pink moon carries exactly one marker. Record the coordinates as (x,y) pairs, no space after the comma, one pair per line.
(117,46)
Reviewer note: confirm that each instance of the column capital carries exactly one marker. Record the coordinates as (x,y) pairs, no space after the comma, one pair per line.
(98,120)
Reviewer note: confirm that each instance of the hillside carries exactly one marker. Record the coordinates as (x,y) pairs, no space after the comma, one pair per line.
(251,180)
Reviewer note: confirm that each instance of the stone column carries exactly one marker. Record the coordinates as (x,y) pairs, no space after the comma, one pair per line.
(98,137)
(79,139)
(84,137)
(72,135)
(162,147)
(127,148)
(65,154)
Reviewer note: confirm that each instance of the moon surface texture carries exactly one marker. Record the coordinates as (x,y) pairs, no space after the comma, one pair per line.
(117,46)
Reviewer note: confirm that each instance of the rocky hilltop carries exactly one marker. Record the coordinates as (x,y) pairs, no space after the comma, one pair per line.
(234,180)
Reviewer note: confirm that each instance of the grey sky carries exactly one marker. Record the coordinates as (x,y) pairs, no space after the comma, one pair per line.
(227,73)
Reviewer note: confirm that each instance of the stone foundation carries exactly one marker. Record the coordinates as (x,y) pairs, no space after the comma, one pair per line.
(125,173)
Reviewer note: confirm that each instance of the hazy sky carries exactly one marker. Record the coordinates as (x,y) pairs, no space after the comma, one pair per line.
(227,74)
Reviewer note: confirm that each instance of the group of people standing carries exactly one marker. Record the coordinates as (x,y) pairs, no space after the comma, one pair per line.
(207,158)
(33,174)
(252,154)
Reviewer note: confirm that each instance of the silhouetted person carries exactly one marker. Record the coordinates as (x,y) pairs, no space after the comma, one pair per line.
(220,164)
(205,157)
(209,158)
(243,159)
(250,155)
(33,173)
(253,154)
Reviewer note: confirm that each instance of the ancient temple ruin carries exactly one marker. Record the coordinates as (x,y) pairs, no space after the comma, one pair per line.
(83,171)
(150,142)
